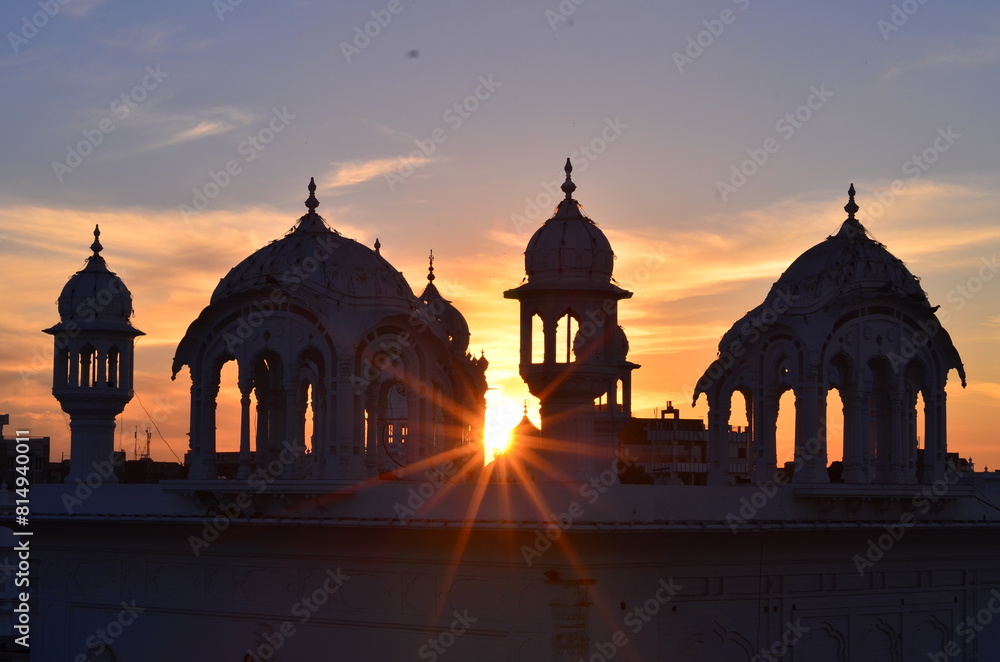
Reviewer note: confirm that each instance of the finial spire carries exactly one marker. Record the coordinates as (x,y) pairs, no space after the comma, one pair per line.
(525,406)
(311,201)
(430,269)
(96,246)
(851,207)
(568,186)
(378,245)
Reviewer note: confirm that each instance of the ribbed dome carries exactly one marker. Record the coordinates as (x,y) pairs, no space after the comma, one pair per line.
(569,245)
(95,296)
(321,260)
(316,257)
(846,262)
(850,264)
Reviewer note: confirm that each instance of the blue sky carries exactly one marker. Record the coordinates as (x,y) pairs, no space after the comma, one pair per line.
(680,92)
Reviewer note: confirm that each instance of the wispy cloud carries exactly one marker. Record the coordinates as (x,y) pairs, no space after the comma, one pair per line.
(349,173)
(985,52)
(23,59)
(148,38)
(989,390)
(166,130)
(82,8)
(386,130)
(203,129)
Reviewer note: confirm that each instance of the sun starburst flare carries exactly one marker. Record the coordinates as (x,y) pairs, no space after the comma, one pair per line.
(503,413)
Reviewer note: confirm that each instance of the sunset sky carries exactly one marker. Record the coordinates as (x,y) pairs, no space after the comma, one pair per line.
(445,126)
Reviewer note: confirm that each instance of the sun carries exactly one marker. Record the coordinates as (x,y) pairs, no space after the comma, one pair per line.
(503,413)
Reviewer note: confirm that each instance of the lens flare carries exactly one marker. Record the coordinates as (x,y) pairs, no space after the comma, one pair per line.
(503,413)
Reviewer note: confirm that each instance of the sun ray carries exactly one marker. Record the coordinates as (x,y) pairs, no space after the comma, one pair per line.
(576,562)
(464,532)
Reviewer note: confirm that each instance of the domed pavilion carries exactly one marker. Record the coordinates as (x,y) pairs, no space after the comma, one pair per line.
(847,316)
(324,329)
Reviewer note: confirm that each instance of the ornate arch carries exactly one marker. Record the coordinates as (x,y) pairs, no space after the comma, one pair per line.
(261,344)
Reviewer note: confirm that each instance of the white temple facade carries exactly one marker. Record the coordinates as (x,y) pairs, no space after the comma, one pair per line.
(376,537)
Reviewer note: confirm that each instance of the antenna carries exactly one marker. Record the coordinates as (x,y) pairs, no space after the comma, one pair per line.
(142,452)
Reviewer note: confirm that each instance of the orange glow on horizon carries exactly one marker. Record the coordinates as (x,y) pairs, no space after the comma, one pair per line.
(688,291)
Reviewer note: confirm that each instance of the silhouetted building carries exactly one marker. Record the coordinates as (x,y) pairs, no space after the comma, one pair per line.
(324,329)
(847,316)
(569,289)
(36,463)
(292,548)
(674,450)
(92,360)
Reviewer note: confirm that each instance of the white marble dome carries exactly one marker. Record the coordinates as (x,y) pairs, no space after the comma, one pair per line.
(315,257)
(847,266)
(343,362)
(847,262)
(95,295)
(569,245)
